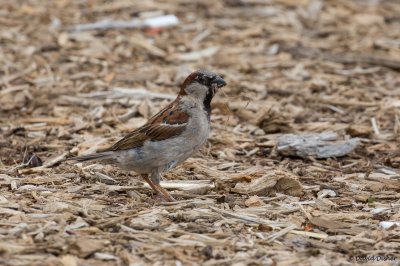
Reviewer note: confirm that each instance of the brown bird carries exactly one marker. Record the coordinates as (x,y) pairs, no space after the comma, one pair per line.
(169,137)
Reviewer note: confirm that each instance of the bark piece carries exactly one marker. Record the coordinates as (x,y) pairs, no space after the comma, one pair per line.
(275,181)
(320,145)
(84,247)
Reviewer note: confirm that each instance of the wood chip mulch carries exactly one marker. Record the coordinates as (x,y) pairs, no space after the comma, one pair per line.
(292,67)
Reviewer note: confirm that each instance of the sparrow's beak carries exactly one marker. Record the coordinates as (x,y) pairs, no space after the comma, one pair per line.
(218,82)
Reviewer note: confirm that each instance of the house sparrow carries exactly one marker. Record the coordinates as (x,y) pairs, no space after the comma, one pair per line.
(169,137)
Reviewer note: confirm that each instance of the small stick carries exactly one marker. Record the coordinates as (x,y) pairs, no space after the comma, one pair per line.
(375,126)
(282,232)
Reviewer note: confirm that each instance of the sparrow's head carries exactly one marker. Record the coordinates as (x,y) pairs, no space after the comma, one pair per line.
(202,85)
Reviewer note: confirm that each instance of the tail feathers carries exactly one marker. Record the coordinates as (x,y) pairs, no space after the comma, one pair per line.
(92,157)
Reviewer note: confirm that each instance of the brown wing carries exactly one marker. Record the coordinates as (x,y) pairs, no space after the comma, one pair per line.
(168,123)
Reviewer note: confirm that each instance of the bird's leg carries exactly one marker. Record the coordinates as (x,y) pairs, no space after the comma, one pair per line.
(150,182)
(157,188)
(155,177)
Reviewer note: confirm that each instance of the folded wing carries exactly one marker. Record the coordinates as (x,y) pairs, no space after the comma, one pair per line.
(168,123)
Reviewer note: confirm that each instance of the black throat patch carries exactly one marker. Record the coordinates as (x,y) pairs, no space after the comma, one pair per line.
(207,102)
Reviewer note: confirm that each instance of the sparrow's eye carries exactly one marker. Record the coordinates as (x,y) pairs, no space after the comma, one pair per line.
(204,79)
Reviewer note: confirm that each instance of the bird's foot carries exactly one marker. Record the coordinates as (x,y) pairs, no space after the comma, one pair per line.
(161,192)
(164,193)
(161,198)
